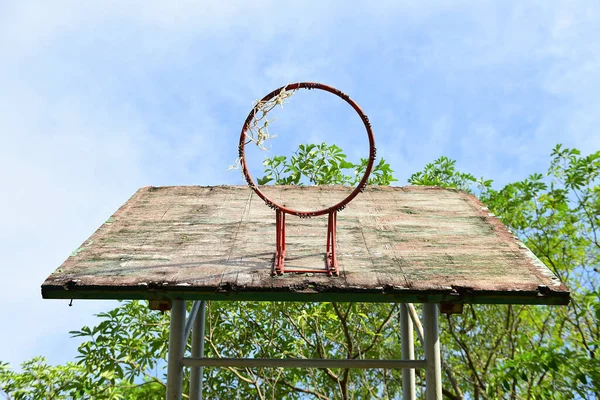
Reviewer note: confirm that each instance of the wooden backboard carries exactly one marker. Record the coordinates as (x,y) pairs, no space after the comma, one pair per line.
(395,244)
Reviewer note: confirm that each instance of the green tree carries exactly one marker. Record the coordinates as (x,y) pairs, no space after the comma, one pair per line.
(525,352)
(322,164)
(489,351)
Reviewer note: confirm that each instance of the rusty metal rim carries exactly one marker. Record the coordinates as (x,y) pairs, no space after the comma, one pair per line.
(361,185)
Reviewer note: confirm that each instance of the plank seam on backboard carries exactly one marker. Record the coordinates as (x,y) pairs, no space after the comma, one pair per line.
(235,242)
(145,240)
(395,259)
(245,210)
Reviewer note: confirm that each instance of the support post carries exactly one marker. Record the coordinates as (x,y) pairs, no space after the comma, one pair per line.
(176,351)
(408,353)
(433,389)
(197,351)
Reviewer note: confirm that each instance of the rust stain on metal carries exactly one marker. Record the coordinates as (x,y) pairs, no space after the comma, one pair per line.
(451,308)
(159,305)
(417,241)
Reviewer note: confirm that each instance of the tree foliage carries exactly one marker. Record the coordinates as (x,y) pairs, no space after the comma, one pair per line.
(527,352)
(442,172)
(322,164)
(489,351)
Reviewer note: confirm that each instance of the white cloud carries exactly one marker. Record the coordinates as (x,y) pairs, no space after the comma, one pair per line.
(64,172)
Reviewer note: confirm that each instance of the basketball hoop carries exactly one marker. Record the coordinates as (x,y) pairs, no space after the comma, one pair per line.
(280,210)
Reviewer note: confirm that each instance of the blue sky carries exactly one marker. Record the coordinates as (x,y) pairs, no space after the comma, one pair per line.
(100,98)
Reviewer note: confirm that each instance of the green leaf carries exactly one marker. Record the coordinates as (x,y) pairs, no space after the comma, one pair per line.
(264,180)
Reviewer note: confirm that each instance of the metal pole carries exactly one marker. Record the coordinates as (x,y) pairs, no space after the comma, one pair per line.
(304,363)
(197,351)
(191,318)
(176,351)
(415,320)
(432,352)
(408,353)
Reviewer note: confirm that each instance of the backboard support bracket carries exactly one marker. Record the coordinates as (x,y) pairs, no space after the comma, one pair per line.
(451,308)
(330,254)
(180,330)
(159,305)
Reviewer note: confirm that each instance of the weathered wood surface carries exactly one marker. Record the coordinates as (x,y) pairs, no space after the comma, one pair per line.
(414,244)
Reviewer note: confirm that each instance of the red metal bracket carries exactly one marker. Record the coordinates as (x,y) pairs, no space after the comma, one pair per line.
(330,254)
(279,263)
